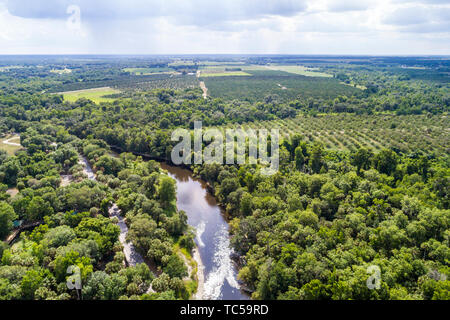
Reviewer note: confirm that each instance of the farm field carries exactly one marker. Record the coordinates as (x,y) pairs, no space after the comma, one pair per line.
(222,63)
(97,94)
(178,63)
(412,133)
(224,74)
(10,144)
(300,70)
(222,71)
(265,82)
(174,82)
(147,71)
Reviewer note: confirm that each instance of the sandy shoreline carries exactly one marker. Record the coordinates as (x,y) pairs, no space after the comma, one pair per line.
(200,275)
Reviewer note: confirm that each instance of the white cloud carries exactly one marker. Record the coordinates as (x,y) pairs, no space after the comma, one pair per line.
(227,26)
(349,5)
(418,15)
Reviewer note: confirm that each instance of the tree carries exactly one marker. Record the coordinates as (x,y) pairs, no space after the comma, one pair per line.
(227,186)
(32,280)
(141,233)
(175,267)
(166,191)
(72,258)
(246,204)
(102,286)
(423,166)
(162,283)
(59,236)
(109,165)
(314,290)
(38,208)
(153,209)
(361,159)
(7,216)
(187,241)
(299,158)
(316,160)
(159,249)
(386,161)
(10,168)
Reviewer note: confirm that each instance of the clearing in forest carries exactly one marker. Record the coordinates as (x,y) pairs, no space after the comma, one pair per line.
(97,94)
(148,71)
(10,144)
(300,70)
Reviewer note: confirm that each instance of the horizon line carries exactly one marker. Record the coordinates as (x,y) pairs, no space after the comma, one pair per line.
(229,54)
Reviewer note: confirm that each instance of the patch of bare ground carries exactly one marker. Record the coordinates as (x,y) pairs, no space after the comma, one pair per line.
(66,179)
(12,192)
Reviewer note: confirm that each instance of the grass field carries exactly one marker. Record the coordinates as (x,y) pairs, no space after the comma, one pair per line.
(10,144)
(300,70)
(97,94)
(147,71)
(181,63)
(412,133)
(221,63)
(222,71)
(224,74)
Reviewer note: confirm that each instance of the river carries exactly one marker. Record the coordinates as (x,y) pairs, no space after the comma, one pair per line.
(213,240)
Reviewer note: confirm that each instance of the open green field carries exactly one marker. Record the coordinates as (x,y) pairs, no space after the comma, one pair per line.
(411,133)
(300,70)
(10,144)
(225,74)
(182,63)
(222,63)
(97,94)
(222,71)
(147,71)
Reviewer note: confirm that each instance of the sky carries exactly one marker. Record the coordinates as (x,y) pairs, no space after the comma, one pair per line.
(366,27)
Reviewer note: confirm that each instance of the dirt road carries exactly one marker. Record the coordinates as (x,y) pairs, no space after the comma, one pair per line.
(205,89)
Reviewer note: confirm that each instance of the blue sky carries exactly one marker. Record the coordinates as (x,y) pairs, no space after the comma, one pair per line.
(225,26)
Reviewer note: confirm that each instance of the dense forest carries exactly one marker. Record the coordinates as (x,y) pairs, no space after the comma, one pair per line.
(311,231)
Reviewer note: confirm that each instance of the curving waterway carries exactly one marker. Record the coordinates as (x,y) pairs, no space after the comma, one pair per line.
(212,238)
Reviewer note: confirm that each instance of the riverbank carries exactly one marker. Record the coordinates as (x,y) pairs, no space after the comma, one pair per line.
(200,275)
(195,269)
